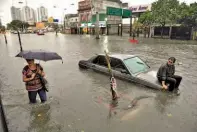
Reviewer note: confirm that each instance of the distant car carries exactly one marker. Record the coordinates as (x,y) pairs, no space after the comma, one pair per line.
(127,67)
(15,32)
(40,32)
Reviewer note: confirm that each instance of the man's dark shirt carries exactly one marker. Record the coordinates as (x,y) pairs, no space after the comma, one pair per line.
(165,71)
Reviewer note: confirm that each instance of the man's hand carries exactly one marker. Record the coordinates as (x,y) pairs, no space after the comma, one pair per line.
(165,87)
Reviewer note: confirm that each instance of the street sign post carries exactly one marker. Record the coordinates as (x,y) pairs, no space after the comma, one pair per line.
(50,20)
(55,20)
(125,13)
(114,11)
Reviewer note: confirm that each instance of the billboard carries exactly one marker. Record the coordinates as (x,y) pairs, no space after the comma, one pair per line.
(140,8)
(55,20)
(40,25)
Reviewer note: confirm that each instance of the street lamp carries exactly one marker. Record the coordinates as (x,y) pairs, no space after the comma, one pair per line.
(64,18)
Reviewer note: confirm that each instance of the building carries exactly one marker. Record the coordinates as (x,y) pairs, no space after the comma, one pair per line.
(71,23)
(87,13)
(42,14)
(84,11)
(16,13)
(0,22)
(28,15)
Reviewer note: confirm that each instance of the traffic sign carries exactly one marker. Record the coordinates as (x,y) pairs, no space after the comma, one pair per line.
(114,11)
(50,20)
(55,20)
(126,13)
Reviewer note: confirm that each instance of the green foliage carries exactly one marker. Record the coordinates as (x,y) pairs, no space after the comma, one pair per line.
(188,14)
(2,29)
(146,19)
(165,11)
(17,24)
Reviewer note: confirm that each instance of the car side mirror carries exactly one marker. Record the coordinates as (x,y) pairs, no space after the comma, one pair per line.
(124,71)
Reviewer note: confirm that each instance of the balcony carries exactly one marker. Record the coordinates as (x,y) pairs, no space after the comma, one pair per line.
(84,8)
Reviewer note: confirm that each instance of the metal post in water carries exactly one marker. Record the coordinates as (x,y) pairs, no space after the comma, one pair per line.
(97,25)
(130,26)
(19,38)
(5,38)
(121,29)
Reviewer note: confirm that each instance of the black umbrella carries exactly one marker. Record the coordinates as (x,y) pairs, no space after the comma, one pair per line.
(39,55)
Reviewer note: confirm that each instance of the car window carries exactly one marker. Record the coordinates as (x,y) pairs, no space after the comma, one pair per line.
(100,60)
(117,64)
(135,65)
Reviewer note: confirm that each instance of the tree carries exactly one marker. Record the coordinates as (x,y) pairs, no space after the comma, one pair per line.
(188,15)
(16,24)
(2,29)
(9,26)
(25,25)
(136,26)
(165,12)
(146,19)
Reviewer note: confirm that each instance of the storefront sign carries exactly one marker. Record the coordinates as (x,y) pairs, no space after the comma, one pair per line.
(140,8)
(101,24)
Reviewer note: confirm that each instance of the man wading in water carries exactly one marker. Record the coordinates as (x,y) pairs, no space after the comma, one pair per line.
(166,76)
(32,80)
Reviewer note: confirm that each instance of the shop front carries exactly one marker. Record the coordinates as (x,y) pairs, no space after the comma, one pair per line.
(89,28)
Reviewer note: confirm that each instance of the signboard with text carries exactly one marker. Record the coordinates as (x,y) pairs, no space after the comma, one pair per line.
(125,13)
(140,8)
(55,20)
(114,11)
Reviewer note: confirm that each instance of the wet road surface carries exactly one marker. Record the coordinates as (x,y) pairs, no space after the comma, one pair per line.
(79,100)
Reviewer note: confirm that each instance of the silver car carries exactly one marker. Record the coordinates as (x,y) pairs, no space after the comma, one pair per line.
(127,67)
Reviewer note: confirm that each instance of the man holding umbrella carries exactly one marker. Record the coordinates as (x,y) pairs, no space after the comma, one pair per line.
(31,77)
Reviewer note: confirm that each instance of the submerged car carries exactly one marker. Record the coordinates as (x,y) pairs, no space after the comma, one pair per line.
(126,67)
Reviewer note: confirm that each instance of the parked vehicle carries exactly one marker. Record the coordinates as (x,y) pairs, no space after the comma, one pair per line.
(127,67)
(40,32)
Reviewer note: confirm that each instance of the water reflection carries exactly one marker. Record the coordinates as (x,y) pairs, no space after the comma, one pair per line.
(163,100)
(112,106)
(40,117)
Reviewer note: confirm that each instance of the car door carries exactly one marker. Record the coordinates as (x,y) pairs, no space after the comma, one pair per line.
(119,70)
(99,64)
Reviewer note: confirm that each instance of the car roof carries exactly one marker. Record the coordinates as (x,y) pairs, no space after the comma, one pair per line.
(120,56)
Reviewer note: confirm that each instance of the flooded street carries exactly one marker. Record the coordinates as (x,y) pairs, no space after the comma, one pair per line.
(78,100)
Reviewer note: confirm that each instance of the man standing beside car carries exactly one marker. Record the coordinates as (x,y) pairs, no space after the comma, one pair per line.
(166,76)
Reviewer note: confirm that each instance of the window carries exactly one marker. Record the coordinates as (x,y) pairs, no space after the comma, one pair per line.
(117,64)
(100,60)
(136,65)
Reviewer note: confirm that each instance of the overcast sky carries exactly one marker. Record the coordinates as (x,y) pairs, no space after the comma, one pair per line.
(61,4)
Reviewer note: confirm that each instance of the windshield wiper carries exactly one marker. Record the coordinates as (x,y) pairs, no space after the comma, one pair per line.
(140,63)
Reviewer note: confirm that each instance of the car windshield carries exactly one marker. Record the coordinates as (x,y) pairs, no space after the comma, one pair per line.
(135,65)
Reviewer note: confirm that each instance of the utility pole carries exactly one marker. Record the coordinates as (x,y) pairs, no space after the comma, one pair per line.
(130,26)
(97,26)
(19,38)
(5,38)
(121,21)
(97,19)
